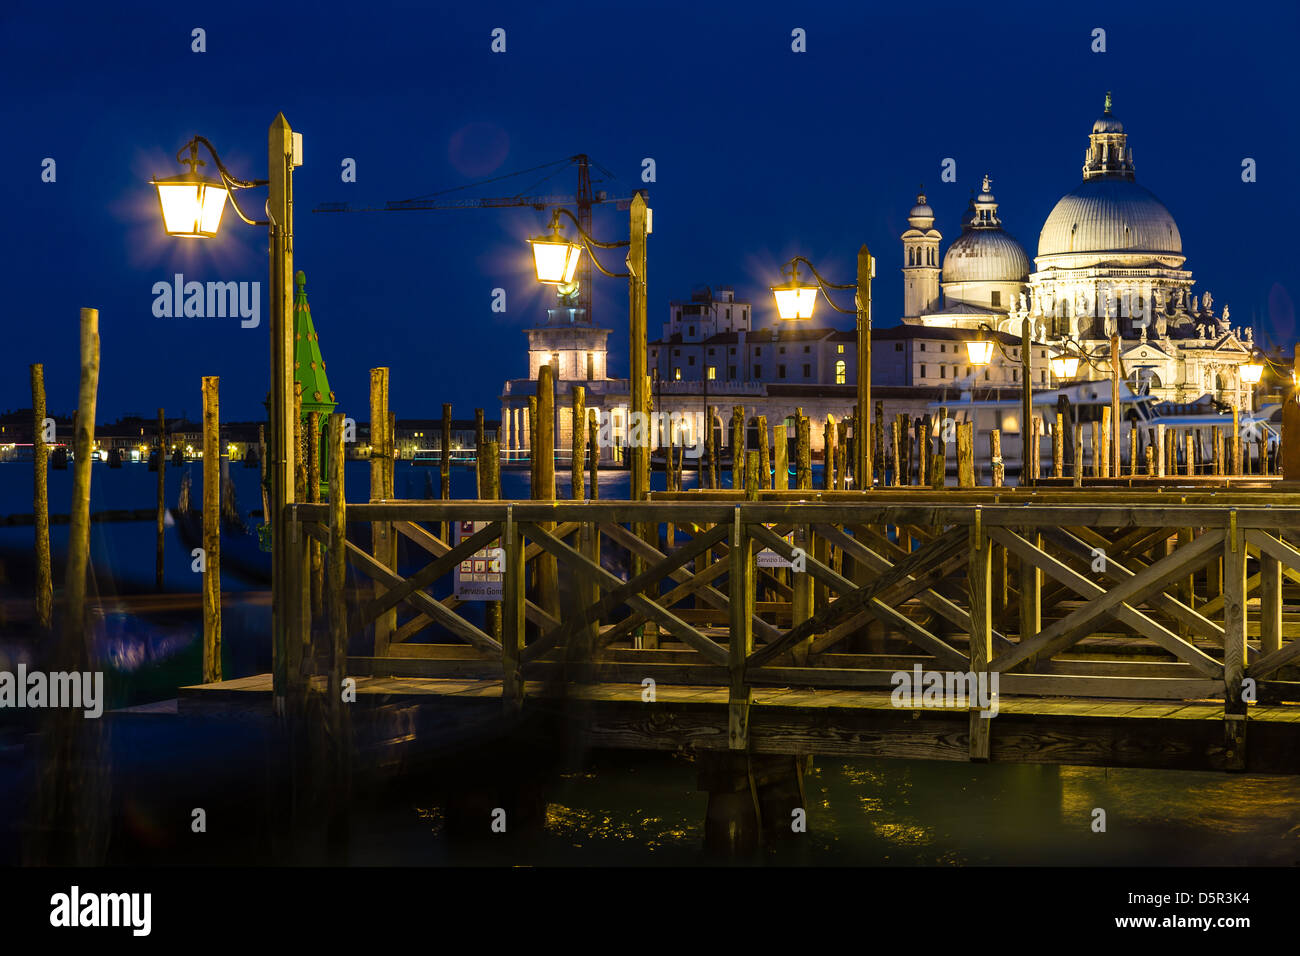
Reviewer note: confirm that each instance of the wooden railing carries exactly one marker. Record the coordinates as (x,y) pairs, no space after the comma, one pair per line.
(1076,593)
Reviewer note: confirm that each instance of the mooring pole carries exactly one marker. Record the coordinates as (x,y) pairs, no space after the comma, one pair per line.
(211,531)
(41,503)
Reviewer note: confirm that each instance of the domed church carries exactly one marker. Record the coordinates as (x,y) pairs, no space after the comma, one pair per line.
(1110,260)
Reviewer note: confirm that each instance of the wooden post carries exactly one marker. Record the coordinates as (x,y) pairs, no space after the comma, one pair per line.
(802,450)
(160,515)
(383,544)
(1103,451)
(980,583)
(1234,644)
(995,457)
(74,583)
(781,469)
(764,461)
(1160,451)
(1133,449)
(738,447)
(752,478)
(1035,448)
(1058,447)
(741,642)
(862,473)
(896,451)
(1236,440)
(878,443)
(1270,603)
(1217,451)
(1115,416)
(44,598)
(1078,454)
(211,531)
(547,568)
(336,582)
(444,461)
(593,439)
(710,449)
(579,454)
(313,495)
(512,614)
(490,461)
(1151,461)
(1098,452)
(966,455)
(532,444)
(638,381)
(828,453)
(1189,452)
(923,444)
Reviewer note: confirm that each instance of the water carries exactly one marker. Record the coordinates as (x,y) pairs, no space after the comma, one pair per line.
(614,808)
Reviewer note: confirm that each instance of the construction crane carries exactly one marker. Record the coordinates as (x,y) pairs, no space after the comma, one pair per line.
(584,199)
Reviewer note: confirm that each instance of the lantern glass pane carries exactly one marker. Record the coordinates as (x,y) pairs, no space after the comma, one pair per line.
(181,207)
(214,203)
(980,352)
(1251,373)
(555,262)
(795,302)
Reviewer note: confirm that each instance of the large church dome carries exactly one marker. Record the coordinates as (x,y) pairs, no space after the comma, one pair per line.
(1109,215)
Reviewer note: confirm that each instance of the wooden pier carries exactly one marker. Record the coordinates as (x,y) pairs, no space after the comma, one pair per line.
(1127,627)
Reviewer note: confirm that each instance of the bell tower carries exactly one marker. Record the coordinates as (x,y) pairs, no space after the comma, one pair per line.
(921,261)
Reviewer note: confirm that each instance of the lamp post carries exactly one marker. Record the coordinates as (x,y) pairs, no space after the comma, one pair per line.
(797,300)
(555,261)
(191,207)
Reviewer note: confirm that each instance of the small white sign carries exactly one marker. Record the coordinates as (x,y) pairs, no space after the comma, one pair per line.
(481,576)
(767,558)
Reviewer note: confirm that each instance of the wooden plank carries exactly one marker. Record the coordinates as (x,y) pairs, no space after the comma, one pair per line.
(741,644)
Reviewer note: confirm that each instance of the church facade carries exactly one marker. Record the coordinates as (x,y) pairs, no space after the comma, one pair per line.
(1109,260)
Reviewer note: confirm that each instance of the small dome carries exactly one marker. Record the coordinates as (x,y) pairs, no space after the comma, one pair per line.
(1109,215)
(1107,124)
(985,255)
(921,210)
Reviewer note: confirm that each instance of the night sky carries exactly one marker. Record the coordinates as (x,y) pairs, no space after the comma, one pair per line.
(760,153)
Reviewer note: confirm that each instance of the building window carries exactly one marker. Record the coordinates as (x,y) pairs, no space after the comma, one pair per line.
(898,346)
(780,371)
(942,347)
(839,372)
(713,373)
(690,330)
(690,360)
(922,346)
(783,350)
(731,351)
(807,371)
(807,348)
(943,371)
(676,352)
(839,349)
(986,375)
(996,300)
(710,351)
(758,371)
(1042,377)
(758,350)
(677,375)
(731,371)
(591,366)
(555,363)
(1015,375)
(922,371)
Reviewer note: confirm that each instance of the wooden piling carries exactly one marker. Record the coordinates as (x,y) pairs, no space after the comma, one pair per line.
(1097,456)
(1133,449)
(211,531)
(44,597)
(781,468)
(593,439)
(160,516)
(1103,450)
(965,454)
(764,461)
(924,446)
(738,446)
(383,542)
(828,453)
(1035,449)
(490,463)
(313,497)
(444,460)
(480,441)
(1077,455)
(803,450)
(336,582)
(79,514)
(548,587)
(995,457)
(710,450)
(878,443)
(1058,447)
(578,456)
(1236,440)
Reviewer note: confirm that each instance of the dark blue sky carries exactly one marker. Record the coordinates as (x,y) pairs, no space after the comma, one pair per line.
(761,153)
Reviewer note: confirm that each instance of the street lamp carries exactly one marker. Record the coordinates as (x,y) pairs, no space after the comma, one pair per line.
(555,260)
(1252,372)
(796,300)
(191,207)
(191,204)
(554,257)
(1064,365)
